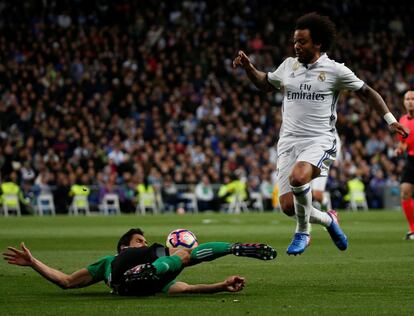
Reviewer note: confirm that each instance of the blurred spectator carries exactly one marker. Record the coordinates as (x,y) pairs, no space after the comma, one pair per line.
(146,192)
(61,194)
(129,203)
(224,193)
(266,189)
(27,173)
(42,182)
(252,186)
(337,187)
(205,195)
(169,194)
(117,155)
(356,190)
(233,188)
(376,190)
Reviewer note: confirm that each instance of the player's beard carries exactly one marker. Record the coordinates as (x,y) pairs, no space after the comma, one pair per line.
(304,57)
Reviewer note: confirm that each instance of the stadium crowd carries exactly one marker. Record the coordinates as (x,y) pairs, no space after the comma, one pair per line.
(116,93)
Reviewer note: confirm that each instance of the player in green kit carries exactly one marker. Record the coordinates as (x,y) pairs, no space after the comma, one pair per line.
(139,269)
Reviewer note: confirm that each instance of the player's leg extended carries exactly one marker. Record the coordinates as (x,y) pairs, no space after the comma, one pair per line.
(407,204)
(213,250)
(209,251)
(185,257)
(203,252)
(313,160)
(327,219)
(300,177)
(180,258)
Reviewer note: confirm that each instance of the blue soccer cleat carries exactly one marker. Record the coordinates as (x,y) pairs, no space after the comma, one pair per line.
(336,233)
(299,243)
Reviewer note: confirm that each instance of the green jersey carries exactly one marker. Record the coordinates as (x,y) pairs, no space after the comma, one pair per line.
(101,270)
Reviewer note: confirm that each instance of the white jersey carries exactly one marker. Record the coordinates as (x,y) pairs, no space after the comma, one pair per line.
(310,95)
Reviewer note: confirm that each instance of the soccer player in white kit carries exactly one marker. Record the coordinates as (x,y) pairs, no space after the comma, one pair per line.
(311,84)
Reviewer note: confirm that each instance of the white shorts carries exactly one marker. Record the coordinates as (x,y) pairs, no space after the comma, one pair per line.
(320,152)
(319,183)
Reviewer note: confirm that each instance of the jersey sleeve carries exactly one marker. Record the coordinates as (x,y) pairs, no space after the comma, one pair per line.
(347,80)
(275,78)
(99,269)
(167,287)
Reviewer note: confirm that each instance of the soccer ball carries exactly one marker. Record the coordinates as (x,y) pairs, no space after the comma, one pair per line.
(181,238)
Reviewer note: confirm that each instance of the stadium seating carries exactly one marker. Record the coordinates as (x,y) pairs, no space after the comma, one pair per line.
(147,201)
(110,205)
(237,205)
(358,201)
(11,204)
(45,205)
(257,201)
(191,201)
(80,204)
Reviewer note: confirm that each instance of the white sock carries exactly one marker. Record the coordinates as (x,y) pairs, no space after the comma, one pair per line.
(294,217)
(302,199)
(317,205)
(319,217)
(316,217)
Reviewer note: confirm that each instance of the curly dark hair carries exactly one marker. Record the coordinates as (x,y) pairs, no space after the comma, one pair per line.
(126,238)
(322,29)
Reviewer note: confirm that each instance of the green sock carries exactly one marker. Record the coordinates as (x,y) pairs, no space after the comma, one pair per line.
(209,251)
(167,264)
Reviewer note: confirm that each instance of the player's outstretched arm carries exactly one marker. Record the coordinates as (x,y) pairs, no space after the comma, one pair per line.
(233,283)
(373,98)
(24,257)
(259,78)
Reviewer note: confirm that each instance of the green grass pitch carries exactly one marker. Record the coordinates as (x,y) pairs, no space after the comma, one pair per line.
(375,276)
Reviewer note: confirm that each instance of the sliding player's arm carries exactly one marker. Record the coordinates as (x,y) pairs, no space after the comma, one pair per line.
(23,257)
(231,284)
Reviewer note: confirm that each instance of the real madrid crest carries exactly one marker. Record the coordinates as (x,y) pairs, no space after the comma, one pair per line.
(296,66)
(322,76)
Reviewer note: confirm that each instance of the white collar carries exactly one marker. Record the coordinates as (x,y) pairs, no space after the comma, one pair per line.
(322,57)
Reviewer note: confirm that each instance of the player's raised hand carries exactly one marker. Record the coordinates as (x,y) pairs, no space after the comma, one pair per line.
(400,129)
(234,283)
(241,60)
(18,257)
(401,148)
(398,152)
